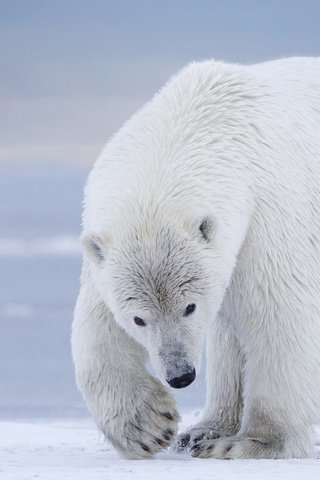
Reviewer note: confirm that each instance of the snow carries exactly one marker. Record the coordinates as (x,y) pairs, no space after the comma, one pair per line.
(75,450)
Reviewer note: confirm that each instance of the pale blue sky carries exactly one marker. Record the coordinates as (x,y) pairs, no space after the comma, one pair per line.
(72,71)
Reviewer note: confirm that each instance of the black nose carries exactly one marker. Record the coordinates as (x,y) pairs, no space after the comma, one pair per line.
(183,381)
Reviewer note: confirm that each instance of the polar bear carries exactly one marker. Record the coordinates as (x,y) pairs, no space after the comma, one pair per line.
(201,221)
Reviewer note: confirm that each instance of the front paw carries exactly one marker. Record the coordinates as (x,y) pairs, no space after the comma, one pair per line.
(149,428)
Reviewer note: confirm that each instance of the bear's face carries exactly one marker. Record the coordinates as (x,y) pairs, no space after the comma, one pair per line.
(156,283)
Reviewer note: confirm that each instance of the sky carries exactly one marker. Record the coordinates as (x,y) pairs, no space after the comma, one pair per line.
(72,71)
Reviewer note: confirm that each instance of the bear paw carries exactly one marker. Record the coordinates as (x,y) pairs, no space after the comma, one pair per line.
(234,447)
(150,427)
(202,431)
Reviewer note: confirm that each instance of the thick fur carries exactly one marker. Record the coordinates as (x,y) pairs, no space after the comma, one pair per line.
(208,195)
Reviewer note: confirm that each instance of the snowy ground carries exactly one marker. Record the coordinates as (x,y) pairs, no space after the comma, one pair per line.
(74,450)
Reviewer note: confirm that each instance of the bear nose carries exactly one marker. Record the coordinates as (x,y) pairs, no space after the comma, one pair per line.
(183,381)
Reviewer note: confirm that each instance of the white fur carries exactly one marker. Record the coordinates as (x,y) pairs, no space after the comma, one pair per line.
(239,146)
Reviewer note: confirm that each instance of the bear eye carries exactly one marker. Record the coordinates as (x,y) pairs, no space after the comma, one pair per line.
(139,321)
(190,309)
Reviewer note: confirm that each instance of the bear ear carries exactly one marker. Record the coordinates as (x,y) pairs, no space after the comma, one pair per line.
(207,229)
(95,246)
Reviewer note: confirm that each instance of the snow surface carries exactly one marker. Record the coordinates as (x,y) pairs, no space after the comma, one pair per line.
(75,450)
